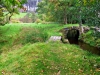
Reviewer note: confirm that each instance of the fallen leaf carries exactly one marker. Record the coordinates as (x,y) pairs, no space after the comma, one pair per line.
(80,70)
(58,73)
(97,70)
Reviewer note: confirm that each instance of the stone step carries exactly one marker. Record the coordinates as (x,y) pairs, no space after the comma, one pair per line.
(55,38)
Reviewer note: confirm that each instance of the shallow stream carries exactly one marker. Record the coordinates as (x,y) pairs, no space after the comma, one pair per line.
(85,46)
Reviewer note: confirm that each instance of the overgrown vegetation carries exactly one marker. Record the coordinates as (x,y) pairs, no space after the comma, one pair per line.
(91,38)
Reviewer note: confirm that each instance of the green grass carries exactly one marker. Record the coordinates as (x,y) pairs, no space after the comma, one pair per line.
(11,31)
(17,16)
(43,58)
(52,29)
(48,59)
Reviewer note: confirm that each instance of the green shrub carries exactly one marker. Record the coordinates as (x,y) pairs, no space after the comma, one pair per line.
(38,21)
(30,17)
(2,22)
(91,38)
(98,42)
(33,17)
(97,34)
(27,18)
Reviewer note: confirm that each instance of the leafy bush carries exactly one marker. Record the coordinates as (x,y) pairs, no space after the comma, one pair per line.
(98,42)
(26,19)
(2,22)
(30,17)
(33,17)
(91,38)
(38,21)
(97,34)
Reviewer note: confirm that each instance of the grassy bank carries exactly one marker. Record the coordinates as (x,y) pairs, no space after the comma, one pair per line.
(49,59)
(40,57)
(11,31)
(91,38)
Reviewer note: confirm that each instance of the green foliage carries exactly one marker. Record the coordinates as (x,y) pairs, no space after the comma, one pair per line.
(62,11)
(11,7)
(38,21)
(34,17)
(27,18)
(92,15)
(96,34)
(91,38)
(71,11)
(1,17)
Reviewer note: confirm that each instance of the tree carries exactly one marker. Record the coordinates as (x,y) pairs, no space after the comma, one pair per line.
(89,10)
(92,12)
(9,6)
(43,9)
(58,10)
(72,11)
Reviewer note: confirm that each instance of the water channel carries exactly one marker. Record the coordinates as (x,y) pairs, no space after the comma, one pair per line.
(85,46)
(73,36)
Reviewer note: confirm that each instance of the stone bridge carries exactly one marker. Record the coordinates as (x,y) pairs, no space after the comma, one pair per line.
(72,33)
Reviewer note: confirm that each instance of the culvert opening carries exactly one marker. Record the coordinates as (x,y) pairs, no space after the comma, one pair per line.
(73,36)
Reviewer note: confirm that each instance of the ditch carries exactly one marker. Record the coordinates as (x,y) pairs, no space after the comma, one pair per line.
(73,36)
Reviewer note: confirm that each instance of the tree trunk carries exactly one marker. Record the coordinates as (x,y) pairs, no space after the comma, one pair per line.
(80,23)
(65,19)
(65,16)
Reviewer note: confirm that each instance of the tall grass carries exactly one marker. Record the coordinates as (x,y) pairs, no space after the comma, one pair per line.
(31,35)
